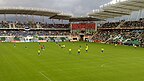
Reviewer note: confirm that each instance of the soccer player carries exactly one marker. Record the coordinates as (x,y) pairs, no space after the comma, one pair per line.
(43,47)
(115,45)
(59,45)
(102,50)
(39,52)
(87,46)
(39,43)
(135,46)
(80,47)
(79,51)
(73,42)
(64,46)
(86,49)
(70,51)
(25,47)
(14,45)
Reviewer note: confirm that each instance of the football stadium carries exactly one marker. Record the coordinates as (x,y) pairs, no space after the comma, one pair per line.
(45,44)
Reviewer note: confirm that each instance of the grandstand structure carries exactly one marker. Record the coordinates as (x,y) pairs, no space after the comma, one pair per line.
(32,11)
(125,32)
(118,9)
(94,27)
(29,29)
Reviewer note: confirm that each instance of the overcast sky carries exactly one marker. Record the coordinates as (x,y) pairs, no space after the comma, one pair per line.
(76,7)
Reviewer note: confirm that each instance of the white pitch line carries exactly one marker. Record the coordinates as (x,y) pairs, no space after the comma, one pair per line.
(45,76)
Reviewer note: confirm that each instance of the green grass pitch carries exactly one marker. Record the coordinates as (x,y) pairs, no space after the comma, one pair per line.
(121,63)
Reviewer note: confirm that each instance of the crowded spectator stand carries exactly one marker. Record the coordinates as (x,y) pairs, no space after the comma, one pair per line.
(129,33)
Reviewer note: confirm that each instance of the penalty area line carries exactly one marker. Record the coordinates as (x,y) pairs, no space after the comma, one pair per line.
(45,76)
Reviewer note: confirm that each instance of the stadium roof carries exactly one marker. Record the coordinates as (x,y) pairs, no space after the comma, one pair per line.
(61,16)
(32,11)
(78,19)
(53,14)
(118,9)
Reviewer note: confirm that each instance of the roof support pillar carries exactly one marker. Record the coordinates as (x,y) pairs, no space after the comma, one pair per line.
(16,17)
(27,19)
(21,17)
(43,18)
(139,14)
(96,26)
(33,20)
(71,27)
(5,18)
(130,17)
(142,13)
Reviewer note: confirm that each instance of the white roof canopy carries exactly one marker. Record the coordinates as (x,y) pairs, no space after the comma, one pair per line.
(118,9)
(31,11)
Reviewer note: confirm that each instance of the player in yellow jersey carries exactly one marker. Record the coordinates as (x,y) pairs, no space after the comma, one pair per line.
(115,45)
(135,46)
(86,49)
(39,52)
(102,50)
(79,51)
(70,51)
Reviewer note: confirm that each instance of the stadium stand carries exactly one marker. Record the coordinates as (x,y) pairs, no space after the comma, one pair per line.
(120,35)
(10,24)
(32,33)
(123,23)
(110,24)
